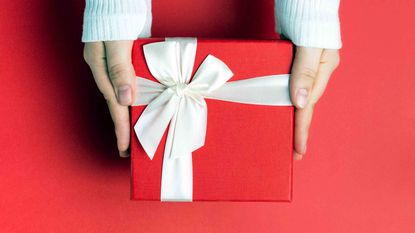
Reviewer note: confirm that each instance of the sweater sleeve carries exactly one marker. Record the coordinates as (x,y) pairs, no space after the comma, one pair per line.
(106,20)
(309,23)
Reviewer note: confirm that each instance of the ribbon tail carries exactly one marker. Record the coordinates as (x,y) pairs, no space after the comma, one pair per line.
(154,120)
(177,173)
(186,133)
(190,126)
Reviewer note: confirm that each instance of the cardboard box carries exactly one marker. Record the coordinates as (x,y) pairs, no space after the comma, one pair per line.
(247,154)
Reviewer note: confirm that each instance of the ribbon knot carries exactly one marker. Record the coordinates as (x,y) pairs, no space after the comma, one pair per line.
(180,89)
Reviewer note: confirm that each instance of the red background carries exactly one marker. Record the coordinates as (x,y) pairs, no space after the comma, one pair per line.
(59,170)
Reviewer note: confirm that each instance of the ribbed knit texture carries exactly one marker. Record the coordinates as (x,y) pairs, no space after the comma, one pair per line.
(106,20)
(146,32)
(309,23)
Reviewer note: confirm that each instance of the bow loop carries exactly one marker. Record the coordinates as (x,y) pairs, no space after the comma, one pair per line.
(161,59)
(171,61)
(211,74)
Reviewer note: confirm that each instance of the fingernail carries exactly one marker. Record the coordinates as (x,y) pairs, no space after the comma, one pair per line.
(298,156)
(123,154)
(302,97)
(124,95)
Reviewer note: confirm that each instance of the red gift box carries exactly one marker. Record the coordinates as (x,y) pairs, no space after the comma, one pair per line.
(247,155)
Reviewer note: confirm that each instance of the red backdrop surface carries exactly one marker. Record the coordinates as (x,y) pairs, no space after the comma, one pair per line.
(59,170)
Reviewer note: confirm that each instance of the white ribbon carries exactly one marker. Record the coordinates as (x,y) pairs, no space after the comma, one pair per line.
(181,102)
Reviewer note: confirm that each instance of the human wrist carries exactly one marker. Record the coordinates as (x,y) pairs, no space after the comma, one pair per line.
(309,23)
(106,20)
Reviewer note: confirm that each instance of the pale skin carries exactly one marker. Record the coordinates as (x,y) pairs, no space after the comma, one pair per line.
(110,63)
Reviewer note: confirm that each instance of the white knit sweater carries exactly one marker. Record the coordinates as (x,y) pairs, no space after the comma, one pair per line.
(309,23)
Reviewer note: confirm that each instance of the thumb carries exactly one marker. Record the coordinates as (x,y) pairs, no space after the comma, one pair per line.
(121,70)
(303,74)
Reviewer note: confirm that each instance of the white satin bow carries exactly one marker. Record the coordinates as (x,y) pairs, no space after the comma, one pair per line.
(180,102)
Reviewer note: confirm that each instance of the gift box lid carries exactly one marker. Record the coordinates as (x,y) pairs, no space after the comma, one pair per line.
(247,154)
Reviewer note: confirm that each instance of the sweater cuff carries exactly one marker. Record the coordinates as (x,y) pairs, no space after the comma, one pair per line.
(309,23)
(106,20)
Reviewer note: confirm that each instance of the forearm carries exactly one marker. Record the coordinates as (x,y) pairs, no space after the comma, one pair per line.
(309,23)
(106,20)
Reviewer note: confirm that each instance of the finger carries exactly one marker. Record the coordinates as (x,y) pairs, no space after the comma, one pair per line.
(303,117)
(120,70)
(297,156)
(121,119)
(94,54)
(303,74)
(329,61)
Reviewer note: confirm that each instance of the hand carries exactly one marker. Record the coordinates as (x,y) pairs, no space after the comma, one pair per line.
(111,66)
(310,74)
